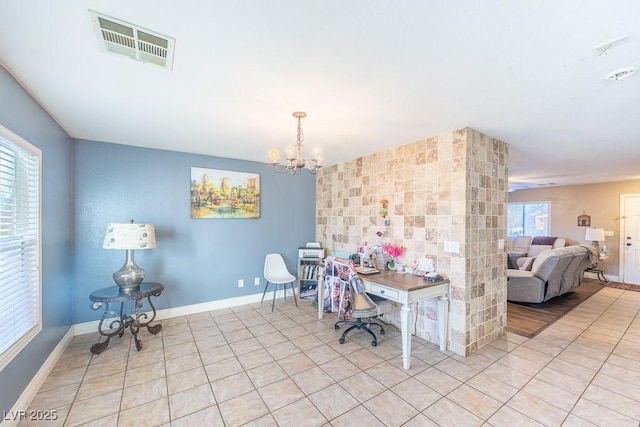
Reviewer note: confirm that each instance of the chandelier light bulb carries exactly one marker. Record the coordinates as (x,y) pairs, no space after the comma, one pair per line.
(294,160)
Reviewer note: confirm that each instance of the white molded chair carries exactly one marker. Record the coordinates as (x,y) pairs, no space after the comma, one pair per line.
(276,273)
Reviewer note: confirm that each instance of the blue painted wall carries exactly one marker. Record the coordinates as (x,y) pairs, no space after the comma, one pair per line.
(88,184)
(198,260)
(21,114)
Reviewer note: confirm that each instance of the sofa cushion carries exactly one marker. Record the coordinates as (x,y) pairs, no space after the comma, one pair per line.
(535,250)
(519,244)
(527,263)
(543,240)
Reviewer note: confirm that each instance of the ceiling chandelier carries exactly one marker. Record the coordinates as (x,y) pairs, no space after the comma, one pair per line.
(295,161)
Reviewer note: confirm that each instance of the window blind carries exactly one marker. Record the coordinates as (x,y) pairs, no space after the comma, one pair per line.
(20,288)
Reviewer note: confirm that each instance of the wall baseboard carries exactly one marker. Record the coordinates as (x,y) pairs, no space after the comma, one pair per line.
(185,310)
(610,277)
(39,378)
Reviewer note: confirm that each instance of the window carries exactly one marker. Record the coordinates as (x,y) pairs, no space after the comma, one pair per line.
(528,219)
(20,253)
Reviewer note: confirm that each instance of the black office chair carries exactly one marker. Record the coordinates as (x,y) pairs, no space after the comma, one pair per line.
(356,306)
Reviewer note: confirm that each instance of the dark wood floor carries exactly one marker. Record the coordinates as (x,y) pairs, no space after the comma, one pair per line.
(528,320)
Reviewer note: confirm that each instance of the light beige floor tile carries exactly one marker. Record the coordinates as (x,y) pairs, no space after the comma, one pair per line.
(57,397)
(601,416)
(264,421)
(153,413)
(556,396)
(223,368)
(280,393)
(446,413)
(428,355)
(438,380)
(574,421)
(266,374)
(621,373)
(492,387)
(271,338)
(186,380)
(562,381)
(179,350)
(282,350)
(312,380)
(614,401)
(63,378)
(206,417)
(300,413)
(232,386)
(508,375)
(323,354)
(362,386)
(339,368)
(617,386)
(520,364)
(390,408)
(94,408)
(357,417)
(144,393)
(416,394)
(508,417)
(255,358)
(387,374)
(474,401)
(333,401)
(182,363)
(535,408)
(456,369)
(177,340)
(236,412)
(98,386)
(245,346)
(216,354)
(190,401)
(144,374)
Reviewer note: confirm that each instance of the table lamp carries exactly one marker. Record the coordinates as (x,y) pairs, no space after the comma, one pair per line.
(129,236)
(595,235)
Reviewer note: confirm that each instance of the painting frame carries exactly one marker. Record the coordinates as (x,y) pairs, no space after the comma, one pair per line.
(224,194)
(584,221)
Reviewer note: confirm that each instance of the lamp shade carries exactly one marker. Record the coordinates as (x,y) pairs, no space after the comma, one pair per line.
(594,234)
(129,236)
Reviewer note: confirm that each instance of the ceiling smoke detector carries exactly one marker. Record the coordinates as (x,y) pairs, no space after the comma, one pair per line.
(123,38)
(621,74)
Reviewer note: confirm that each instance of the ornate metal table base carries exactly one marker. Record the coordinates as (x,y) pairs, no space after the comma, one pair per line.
(109,327)
(600,273)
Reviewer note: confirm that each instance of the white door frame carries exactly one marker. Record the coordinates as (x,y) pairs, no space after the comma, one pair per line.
(621,218)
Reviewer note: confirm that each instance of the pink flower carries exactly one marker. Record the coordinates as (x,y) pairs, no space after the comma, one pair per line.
(394,251)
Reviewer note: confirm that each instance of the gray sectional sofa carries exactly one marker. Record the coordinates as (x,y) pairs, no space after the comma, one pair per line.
(553,272)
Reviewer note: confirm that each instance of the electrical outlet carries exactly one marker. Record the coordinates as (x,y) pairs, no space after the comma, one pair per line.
(256,281)
(240,283)
(452,247)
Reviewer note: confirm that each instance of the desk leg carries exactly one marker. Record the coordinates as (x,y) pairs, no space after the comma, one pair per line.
(320,293)
(406,316)
(443,320)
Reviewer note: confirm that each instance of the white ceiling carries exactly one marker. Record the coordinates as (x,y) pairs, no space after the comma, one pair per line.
(371,74)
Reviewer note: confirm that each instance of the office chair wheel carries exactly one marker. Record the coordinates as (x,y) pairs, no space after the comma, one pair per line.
(341,340)
(374,343)
(336,327)
(382,331)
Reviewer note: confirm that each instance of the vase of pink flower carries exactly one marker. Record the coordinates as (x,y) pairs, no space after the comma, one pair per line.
(394,252)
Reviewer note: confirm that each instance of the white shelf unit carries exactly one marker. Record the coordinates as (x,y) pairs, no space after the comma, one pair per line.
(309,271)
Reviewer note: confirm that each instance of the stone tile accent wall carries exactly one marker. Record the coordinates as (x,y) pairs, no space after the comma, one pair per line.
(452,187)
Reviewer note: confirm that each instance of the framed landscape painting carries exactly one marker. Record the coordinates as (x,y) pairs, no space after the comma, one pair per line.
(218,193)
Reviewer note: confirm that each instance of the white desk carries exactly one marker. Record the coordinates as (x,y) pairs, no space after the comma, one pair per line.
(405,289)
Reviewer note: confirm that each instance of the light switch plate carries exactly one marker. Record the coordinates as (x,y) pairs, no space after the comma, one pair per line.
(500,244)
(608,233)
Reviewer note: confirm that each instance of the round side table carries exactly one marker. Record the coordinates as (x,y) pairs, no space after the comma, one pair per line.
(103,298)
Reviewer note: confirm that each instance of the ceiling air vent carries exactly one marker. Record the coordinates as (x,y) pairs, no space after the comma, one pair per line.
(137,43)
